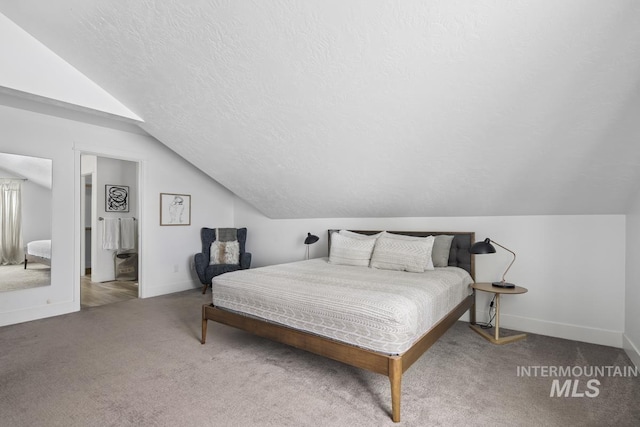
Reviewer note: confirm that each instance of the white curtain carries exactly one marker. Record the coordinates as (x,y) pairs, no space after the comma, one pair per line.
(11,251)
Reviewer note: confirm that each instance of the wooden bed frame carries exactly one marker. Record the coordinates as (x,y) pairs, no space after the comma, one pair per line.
(393,366)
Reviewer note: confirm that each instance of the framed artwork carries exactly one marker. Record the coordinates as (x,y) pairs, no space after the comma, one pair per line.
(175,209)
(116,198)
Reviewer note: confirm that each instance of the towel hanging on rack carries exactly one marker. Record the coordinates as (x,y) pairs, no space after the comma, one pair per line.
(127,234)
(111,234)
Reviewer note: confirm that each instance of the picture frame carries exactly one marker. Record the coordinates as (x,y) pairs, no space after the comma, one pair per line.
(175,209)
(116,198)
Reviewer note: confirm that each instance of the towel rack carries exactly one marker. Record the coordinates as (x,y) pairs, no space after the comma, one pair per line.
(102,219)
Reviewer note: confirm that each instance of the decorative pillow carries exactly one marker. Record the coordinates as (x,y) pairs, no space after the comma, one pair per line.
(441,249)
(413,254)
(214,251)
(349,251)
(224,253)
(232,252)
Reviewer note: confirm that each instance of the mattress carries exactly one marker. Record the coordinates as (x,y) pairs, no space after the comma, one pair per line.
(380,310)
(41,248)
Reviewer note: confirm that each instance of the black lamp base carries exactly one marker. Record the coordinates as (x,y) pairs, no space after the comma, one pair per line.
(503,285)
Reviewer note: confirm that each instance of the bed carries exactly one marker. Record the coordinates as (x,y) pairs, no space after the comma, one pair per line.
(374,319)
(38,251)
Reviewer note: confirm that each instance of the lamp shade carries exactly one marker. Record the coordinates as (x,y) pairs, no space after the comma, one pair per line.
(311,239)
(484,247)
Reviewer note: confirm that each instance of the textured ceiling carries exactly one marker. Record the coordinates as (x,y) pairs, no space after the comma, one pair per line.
(35,169)
(375,108)
(32,71)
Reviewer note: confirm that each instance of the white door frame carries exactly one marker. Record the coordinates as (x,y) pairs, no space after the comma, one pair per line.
(79,211)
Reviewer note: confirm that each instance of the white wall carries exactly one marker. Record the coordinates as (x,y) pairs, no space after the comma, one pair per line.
(36,214)
(632,298)
(573,266)
(164,249)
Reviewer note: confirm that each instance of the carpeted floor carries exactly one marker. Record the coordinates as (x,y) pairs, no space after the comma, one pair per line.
(140,363)
(15,277)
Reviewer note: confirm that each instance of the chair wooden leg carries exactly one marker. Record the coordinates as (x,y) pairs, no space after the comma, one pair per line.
(204,325)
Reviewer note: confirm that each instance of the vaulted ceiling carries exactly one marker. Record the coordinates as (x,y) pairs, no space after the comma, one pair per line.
(34,169)
(371,108)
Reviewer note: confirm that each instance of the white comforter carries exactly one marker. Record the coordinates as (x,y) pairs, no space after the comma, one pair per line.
(41,248)
(380,310)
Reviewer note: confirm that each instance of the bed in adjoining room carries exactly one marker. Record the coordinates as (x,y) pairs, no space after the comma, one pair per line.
(38,251)
(378,302)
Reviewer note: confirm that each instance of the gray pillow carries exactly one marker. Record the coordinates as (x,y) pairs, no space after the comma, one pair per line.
(441,249)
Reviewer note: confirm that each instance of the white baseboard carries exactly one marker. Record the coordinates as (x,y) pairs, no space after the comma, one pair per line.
(185,285)
(38,312)
(563,330)
(559,330)
(631,349)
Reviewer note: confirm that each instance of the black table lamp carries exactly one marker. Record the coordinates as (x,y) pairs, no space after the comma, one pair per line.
(485,247)
(310,240)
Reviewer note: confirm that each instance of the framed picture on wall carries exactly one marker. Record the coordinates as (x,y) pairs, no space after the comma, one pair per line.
(175,209)
(116,198)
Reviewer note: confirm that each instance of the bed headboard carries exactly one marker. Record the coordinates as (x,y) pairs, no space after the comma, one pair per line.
(459,255)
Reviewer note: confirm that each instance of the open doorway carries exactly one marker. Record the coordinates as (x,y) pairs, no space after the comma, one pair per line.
(109,247)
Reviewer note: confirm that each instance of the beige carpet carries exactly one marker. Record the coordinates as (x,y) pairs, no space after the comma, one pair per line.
(140,363)
(15,277)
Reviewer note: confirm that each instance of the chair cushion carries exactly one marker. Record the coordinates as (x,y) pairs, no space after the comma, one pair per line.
(224,253)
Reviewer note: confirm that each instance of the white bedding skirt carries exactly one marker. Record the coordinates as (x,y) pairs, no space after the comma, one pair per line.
(41,248)
(380,310)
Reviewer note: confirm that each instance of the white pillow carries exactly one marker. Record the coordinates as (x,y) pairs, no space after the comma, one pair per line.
(428,265)
(360,235)
(349,251)
(224,253)
(214,253)
(232,252)
(406,254)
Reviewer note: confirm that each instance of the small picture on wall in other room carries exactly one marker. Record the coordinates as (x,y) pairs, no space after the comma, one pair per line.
(116,198)
(175,209)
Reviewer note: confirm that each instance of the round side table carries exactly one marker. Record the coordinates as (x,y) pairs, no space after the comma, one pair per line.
(488,287)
